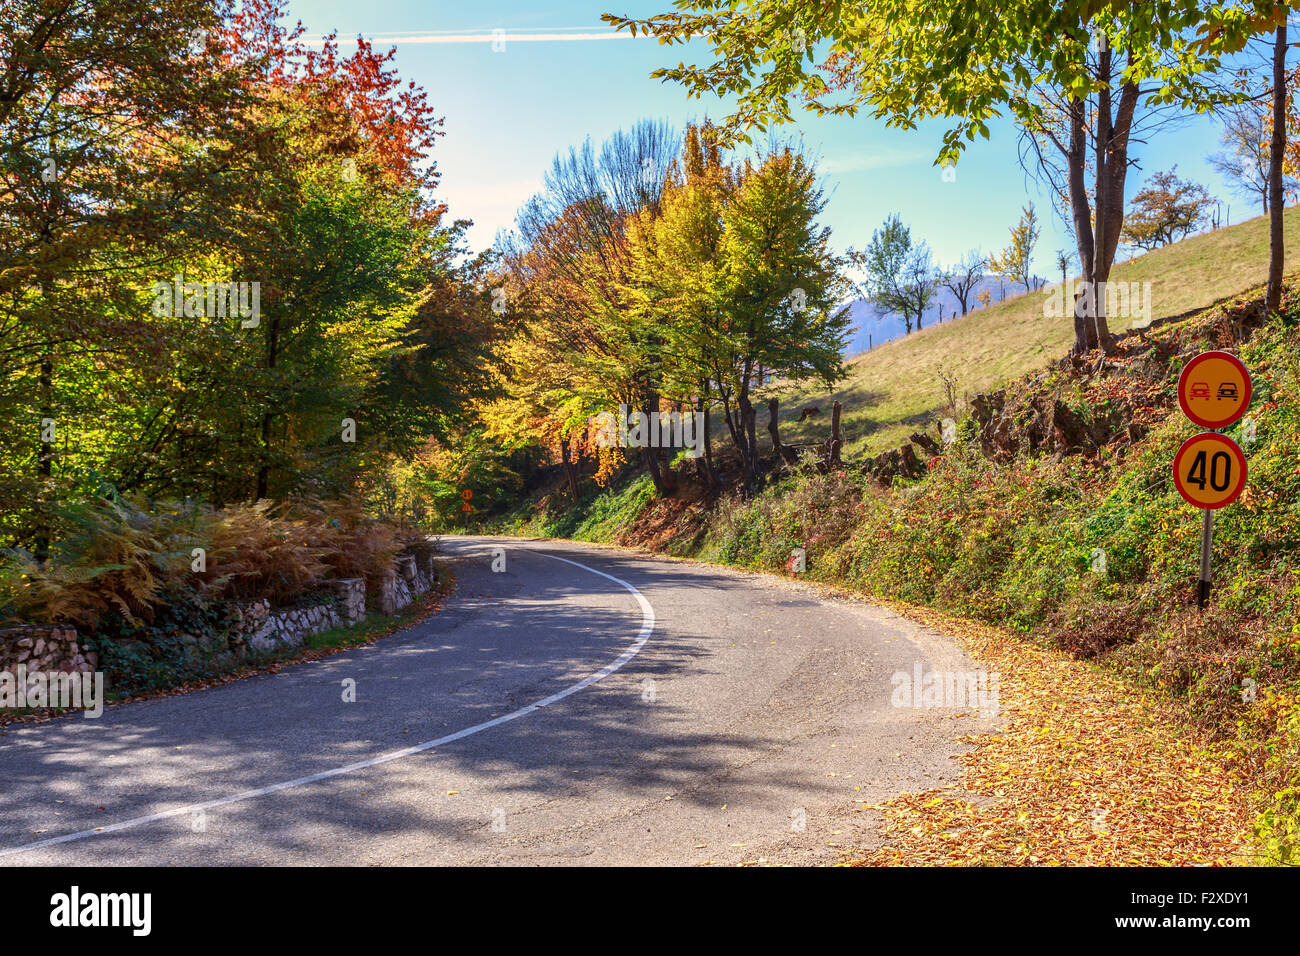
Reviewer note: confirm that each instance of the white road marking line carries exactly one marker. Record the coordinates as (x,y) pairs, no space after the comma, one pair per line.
(647,625)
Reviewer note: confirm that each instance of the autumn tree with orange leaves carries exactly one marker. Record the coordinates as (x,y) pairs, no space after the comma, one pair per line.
(139,155)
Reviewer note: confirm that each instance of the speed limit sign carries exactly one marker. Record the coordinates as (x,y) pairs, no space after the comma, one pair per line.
(1210,471)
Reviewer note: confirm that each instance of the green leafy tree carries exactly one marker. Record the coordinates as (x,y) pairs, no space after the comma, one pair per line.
(1015,262)
(690,298)
(224,152)
(1167,209)
(678,257)
(101,106)
(568,266)
(782,289)
(899,274)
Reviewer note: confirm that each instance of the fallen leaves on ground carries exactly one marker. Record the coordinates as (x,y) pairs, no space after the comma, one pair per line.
(1088,770)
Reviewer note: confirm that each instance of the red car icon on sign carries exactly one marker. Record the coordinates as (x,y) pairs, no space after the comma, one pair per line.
(1200,390)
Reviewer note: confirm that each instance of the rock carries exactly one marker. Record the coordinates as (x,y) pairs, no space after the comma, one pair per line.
(352,598)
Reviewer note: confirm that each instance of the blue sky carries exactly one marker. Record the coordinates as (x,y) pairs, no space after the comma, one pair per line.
(508,113)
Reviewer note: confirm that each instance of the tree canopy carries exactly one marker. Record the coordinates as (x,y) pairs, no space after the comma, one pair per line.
(225,273)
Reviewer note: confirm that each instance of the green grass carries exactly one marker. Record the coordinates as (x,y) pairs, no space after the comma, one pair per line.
(895,389)
(598,517)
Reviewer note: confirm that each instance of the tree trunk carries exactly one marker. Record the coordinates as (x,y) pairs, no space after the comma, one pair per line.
(1277,148)
(650,458)
(666,471)
(1097,246)
(772,406)
(713,482)
(272,356)
(570,469)
(783,452)
(1101,190)
(747,426)
(1081,212)
(751,433)
(649,455)
(744,430)
(737,434)
(45,465)
(837,439)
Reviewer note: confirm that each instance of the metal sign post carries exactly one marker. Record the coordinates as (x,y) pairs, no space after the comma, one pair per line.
(1207,548)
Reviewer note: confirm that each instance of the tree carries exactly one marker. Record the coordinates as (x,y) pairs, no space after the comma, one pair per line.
(568,264)
(1245,161)
(1277,155)
(1015,261)
(100,108)
(679,257)
(694,297)
(908,62)
(1064,259)
(743,282)
(1165,211)
(774,250)
(964,276)
(899,274)
(140,154)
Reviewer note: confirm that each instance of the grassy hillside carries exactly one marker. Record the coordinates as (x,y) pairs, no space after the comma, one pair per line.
(896,388)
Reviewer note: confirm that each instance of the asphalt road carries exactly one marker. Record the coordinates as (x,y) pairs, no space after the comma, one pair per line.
(688,714)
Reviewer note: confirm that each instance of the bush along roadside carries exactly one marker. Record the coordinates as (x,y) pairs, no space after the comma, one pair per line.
(1053,513)
(167,597)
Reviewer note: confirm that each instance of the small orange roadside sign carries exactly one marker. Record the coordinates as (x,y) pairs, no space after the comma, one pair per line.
(467,494)
(466,508)
(1214,389)
(1210,470)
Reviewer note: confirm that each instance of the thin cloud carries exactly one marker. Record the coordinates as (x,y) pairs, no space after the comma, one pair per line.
(554,35)
(876,159)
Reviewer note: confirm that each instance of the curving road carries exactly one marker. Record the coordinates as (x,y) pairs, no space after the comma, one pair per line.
(585,705)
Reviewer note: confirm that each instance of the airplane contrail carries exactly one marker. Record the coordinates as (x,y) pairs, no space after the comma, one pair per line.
(501,36)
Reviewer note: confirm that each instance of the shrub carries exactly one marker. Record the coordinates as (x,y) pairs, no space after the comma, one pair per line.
(119,562)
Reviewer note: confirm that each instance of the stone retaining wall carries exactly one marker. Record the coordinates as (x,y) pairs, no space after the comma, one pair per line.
(259,628)
(413,575)
(264,630)
(44,649)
